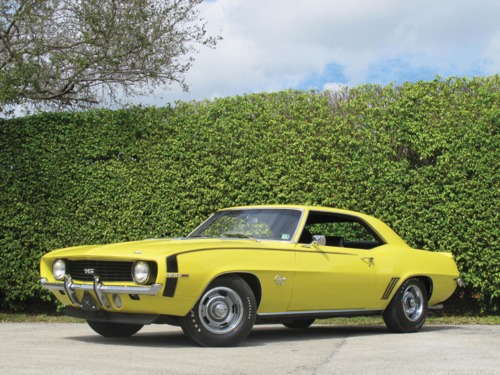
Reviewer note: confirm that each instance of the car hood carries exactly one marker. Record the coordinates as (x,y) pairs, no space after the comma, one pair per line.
(151,249)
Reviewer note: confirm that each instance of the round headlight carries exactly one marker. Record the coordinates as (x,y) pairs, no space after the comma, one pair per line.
(59,269)
(140,272)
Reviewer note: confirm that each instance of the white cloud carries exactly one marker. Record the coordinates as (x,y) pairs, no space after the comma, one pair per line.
(333,86)
(491,55)
(271,45)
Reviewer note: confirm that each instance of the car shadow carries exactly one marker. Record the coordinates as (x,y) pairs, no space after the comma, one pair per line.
(278,333)
(260,335)
(166,339)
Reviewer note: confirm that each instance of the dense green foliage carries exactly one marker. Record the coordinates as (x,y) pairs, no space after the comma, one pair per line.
(424,157)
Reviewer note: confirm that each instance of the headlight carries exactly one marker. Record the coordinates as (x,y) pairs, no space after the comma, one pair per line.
(140,272)
(59,269)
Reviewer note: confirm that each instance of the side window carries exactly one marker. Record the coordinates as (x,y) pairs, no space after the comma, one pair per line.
(340,231)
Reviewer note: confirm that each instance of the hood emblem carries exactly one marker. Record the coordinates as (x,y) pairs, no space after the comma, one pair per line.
(138,252)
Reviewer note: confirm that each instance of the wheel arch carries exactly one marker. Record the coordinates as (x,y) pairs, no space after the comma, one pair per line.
(252,281)
(427,282)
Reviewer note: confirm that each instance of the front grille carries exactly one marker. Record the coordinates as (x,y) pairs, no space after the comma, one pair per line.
(85,270)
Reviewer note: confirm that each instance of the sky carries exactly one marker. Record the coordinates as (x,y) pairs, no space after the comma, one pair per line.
(274,45)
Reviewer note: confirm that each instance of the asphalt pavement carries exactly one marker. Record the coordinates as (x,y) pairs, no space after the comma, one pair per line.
(73,348)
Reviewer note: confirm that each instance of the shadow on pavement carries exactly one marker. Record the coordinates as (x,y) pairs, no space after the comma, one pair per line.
(260,335)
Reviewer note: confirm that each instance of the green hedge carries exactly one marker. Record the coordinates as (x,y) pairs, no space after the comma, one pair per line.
(423,157)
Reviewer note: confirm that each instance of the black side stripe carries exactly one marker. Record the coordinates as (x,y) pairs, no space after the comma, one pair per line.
(390,287)
(172,266)
(171,282)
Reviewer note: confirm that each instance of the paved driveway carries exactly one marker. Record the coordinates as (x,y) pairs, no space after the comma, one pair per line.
(53,348)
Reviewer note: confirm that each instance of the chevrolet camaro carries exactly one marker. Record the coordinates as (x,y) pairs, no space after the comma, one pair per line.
(248,265)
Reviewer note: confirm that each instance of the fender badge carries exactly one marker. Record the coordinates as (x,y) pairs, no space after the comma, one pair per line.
(278,280)
(138,252)
(177,275)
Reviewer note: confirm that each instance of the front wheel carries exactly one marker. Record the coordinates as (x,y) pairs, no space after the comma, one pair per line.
(408,309)
(114,329)
(224,315)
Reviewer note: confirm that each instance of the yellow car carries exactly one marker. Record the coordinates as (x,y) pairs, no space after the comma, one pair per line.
(248,265)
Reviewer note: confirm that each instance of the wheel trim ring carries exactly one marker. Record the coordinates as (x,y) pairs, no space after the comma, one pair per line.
(220,310)
(413,303)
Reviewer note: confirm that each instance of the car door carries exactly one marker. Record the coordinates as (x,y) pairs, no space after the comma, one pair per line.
(339,275)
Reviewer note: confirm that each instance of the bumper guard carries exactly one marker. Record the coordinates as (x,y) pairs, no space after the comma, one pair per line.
(99,289)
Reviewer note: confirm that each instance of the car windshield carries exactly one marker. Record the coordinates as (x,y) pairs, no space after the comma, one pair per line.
(271,224)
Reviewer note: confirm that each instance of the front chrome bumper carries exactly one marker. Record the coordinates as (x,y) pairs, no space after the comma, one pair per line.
(99,289)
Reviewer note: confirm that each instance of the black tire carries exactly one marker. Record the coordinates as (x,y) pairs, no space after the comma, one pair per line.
(224,315)
(298,323)
(408,309)
(114,329)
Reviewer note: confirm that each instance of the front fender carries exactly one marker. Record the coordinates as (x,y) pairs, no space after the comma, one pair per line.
(203,267)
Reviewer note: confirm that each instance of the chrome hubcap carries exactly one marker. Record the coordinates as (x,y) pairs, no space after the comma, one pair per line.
(221,310)
(413,302)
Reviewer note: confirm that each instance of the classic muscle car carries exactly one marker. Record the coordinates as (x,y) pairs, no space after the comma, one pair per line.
(248,265)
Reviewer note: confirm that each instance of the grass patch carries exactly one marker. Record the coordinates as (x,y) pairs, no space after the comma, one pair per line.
(442,320)
(460,320)
(36,318)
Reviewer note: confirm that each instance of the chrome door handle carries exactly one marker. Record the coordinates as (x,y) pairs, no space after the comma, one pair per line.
(368,260)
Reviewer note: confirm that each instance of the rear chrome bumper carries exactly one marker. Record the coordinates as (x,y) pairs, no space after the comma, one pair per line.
(99,289)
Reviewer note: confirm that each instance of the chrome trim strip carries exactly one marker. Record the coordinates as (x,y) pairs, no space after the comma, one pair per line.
(322,313)
(69,287)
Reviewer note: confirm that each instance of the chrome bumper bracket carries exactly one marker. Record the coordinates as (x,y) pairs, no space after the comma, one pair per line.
(100,290)
(68,283)
(103,300)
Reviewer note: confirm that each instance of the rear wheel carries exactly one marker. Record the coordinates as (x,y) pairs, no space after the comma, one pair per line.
(224,315)
(298,323)
(408,309)
(114,329)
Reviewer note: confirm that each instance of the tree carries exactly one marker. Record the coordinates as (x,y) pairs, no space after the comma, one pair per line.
(82,52)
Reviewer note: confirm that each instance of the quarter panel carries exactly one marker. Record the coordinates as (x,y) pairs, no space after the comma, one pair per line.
(406,262)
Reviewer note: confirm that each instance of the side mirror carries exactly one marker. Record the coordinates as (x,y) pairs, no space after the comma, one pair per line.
(319,240)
